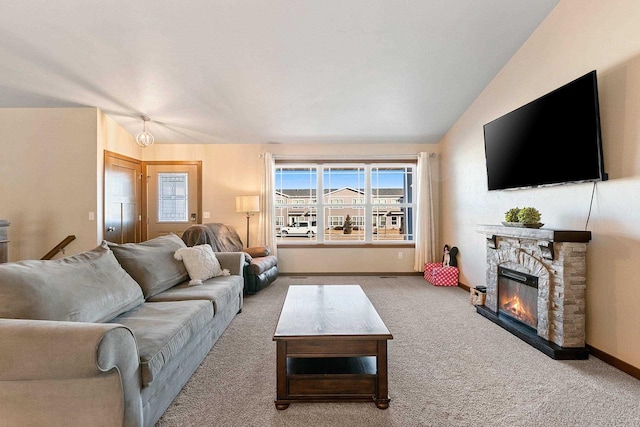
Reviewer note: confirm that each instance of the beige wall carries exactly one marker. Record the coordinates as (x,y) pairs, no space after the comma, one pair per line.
(48,178)
(233,170)
(577,37)
(51,169)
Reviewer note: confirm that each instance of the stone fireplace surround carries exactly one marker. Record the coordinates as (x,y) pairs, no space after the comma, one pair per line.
(558,259)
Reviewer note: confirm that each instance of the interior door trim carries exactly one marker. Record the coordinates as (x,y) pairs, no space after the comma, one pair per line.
(110,154)
(145,198)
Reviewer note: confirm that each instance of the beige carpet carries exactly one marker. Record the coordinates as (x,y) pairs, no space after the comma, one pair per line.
(448,366)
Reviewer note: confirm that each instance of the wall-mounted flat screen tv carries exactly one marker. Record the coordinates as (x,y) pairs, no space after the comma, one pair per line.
(555,139)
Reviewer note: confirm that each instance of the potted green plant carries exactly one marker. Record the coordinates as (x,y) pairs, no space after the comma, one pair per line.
(512,215)
(526,217)
(530,217)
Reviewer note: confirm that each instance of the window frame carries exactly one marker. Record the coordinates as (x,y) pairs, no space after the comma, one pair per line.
(171,202)
(324,211)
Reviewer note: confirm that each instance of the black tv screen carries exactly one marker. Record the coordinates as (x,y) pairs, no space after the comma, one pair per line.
(554,139)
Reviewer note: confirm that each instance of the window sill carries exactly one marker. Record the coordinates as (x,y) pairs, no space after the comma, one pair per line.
(346,246)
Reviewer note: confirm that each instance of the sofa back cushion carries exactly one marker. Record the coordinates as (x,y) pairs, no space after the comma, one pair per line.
(151,263)
(86,287)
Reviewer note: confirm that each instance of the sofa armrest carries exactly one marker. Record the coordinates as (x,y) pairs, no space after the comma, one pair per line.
(60,372)
(232,261)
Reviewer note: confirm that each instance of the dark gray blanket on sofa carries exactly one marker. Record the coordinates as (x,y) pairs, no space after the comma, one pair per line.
(221,237)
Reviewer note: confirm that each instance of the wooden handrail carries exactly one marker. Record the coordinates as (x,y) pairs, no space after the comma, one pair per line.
(59,247)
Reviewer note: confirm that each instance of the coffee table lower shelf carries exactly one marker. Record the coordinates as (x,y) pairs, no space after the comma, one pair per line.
(331,379)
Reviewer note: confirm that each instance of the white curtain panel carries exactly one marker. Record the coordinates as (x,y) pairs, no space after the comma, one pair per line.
(267,221)
(425,223)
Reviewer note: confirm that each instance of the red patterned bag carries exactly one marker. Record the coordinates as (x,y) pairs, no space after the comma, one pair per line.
(444,276)
(428,269)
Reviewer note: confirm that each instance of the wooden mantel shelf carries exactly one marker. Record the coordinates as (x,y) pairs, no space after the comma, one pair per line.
(535,233)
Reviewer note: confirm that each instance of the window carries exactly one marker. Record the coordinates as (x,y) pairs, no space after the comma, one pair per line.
(377,198)
(357,220)
(173,199)
(336,221)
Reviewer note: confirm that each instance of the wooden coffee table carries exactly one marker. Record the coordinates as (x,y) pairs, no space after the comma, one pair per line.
(331,346)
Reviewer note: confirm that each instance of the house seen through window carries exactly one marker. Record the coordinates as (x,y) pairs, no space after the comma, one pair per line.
(344,203)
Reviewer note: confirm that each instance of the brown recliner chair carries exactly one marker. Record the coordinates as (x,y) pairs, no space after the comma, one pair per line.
(260,267)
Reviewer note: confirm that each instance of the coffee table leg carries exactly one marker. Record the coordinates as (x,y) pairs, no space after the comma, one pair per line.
(281,375)
(382,399)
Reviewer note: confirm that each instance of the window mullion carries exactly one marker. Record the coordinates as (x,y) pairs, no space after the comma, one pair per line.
(368,210)
(320,213)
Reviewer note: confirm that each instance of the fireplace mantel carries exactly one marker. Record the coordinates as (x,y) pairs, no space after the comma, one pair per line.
(558,259)
(536,233)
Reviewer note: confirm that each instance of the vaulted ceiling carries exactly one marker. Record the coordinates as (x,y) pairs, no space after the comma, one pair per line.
(259,71)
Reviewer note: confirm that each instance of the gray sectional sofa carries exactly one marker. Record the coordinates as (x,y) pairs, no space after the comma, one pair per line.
(107,337)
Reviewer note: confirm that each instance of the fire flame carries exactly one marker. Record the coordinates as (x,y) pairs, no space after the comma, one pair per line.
(516,309)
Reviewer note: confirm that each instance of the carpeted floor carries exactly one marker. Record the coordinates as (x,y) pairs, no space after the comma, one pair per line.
(448,366)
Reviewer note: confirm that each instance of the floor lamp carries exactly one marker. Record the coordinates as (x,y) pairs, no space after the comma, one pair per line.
(249,205)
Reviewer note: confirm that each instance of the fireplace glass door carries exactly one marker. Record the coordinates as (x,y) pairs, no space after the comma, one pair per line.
(518,296)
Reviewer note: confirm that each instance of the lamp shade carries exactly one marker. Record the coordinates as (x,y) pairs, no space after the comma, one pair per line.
(247,204)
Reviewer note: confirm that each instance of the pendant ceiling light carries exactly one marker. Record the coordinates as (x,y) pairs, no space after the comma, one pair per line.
(144,138)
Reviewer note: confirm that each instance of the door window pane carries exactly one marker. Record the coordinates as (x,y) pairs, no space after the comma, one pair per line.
(173,199)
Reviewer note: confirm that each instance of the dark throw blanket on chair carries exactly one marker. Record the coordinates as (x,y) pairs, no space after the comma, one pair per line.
(221,237)
(260,269)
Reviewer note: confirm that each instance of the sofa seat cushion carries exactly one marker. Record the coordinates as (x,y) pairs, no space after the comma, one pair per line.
(219,290)
(163,329)
(262,264)
(86,287)
(151,263)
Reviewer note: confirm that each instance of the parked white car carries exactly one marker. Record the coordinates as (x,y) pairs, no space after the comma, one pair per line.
(302,228)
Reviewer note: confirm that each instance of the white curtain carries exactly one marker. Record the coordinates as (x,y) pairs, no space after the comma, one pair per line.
(425,238)
(267,219)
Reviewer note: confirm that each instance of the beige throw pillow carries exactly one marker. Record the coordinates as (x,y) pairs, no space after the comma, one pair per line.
(201,263)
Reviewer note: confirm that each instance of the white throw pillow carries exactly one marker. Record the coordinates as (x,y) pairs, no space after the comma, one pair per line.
(201,263)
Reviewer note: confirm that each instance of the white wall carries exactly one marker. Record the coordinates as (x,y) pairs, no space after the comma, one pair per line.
(577,37)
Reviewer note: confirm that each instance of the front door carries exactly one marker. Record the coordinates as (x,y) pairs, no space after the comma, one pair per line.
(173,197)
(122,198)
